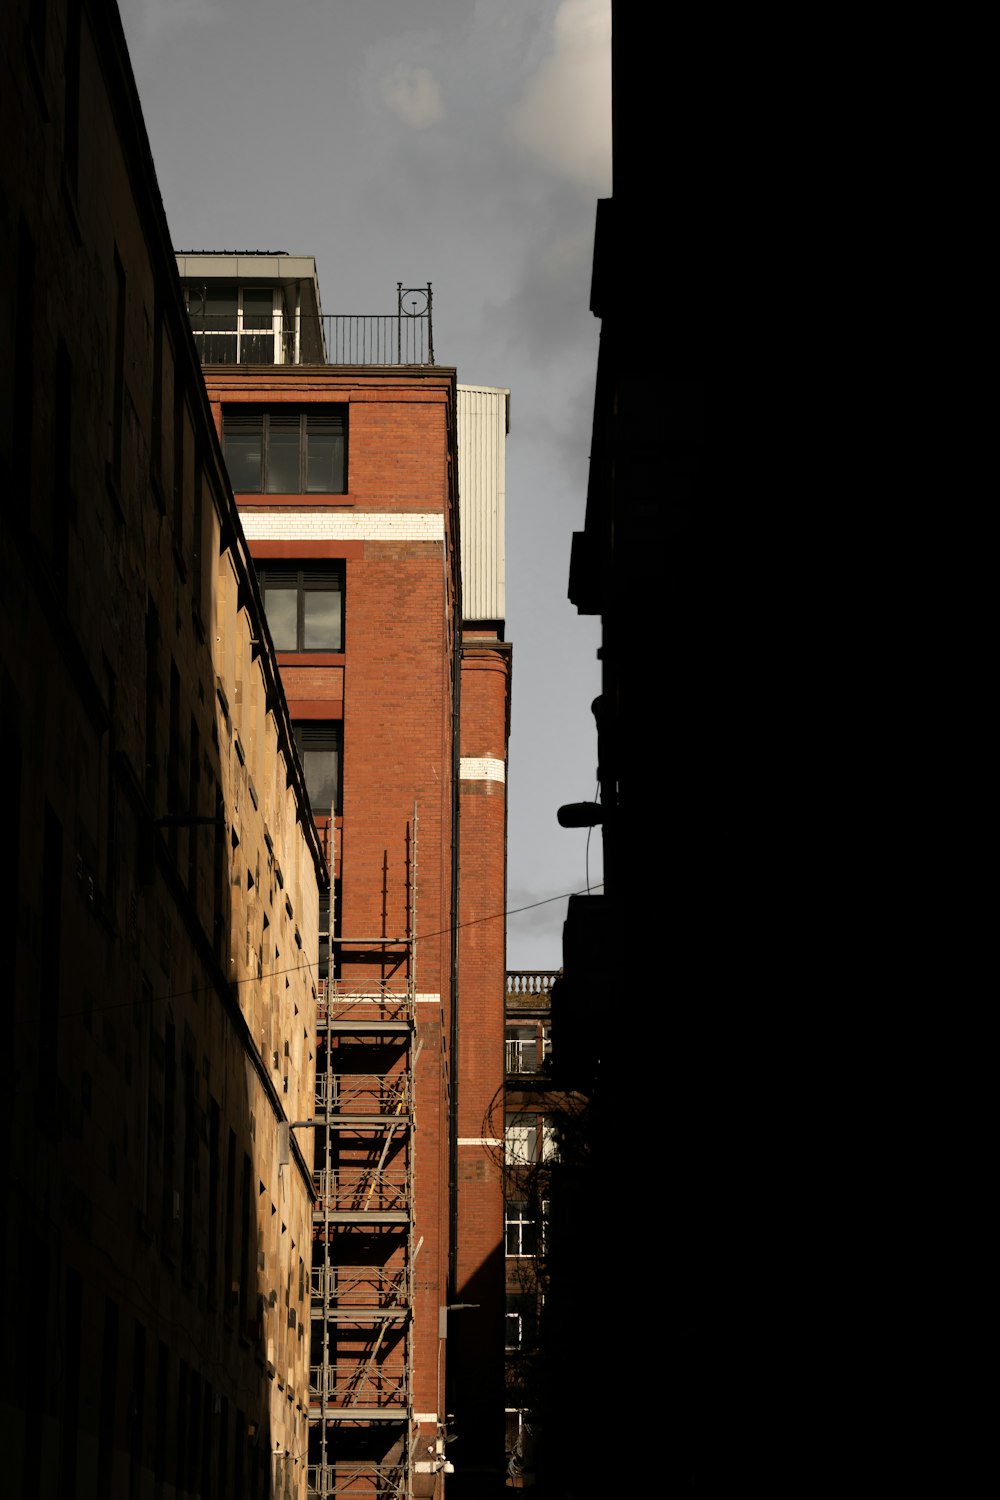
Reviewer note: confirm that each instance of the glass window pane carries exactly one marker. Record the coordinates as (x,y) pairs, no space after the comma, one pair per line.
(325,463)
(281,606)
(220,308)
(243,461)
(256,308)
(283,460)
(321,624)
(320,767)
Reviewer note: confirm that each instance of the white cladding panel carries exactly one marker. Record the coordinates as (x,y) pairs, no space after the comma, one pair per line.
(483,423)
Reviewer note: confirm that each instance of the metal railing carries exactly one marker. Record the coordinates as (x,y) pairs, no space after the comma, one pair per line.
(361,1287)
(361,1190)
(405,337)
(362,1094)
(361,1481)
(337,1001)
(356,1386)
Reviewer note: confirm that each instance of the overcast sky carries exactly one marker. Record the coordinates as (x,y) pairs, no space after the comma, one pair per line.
(465,143)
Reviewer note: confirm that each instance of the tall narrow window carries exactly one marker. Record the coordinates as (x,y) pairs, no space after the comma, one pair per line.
(304,604)
(520,1228)
(521,1139)
(286,450)
(319,752)
(522,1313)
(118,390)
(521,1045)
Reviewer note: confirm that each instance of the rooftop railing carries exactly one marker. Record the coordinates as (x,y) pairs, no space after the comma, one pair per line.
(241,337)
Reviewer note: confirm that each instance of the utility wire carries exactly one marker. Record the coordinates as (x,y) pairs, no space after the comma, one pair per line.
(511,911)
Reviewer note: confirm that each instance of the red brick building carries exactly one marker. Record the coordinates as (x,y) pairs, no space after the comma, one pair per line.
(371,493)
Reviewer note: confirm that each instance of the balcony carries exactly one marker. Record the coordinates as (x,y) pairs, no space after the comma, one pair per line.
(268,325)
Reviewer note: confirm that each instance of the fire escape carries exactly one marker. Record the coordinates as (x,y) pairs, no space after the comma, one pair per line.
(361,1409)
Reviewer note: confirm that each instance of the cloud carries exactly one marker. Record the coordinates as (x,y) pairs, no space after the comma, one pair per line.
(414,94)
(563,117)
(159,16)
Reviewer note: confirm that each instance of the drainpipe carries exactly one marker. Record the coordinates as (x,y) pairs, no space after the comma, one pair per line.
(453,1038)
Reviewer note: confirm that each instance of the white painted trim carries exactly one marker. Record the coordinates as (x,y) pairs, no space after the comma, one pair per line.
(479,1140)
(427,999)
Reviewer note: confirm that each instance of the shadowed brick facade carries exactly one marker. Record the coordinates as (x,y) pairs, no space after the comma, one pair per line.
(162,872)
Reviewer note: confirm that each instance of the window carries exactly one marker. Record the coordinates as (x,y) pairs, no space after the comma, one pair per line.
(304,604)
(319,751)
(520,1320)
(521,1049)
(520,1228)
(528,1138)
(519,1444)
(287,450)
(235,325)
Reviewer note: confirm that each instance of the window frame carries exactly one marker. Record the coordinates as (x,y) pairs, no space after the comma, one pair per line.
(270,571)
(519,1222)
(334,413)
(317,731)
(539,1133)
(521,1126)
(521,1309)
(517,1046)
(194,301)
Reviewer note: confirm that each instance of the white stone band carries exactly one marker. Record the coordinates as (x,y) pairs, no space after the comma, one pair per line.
(338,526)
(481,768)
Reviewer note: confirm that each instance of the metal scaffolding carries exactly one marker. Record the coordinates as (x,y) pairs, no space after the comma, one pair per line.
(361,1377)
